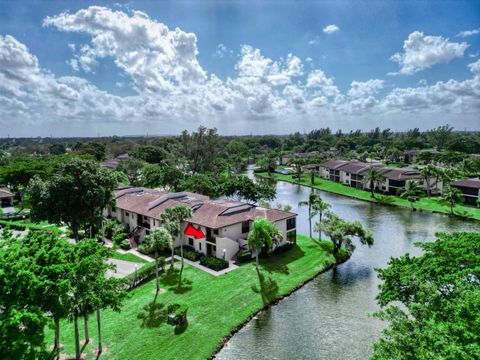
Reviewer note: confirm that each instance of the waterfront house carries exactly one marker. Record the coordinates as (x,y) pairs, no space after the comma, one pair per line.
(113,164)
(330,170)
(470,189)
(217,227)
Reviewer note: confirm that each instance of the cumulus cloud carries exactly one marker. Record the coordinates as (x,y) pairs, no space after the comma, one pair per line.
(469,32)
(222,51)
(330,29)
(170,86)
(423,51)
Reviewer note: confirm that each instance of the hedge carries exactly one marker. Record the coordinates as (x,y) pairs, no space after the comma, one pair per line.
(144,274)
(213,263)
(188,253)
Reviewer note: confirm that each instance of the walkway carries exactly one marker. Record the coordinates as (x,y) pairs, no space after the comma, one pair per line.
(197,265)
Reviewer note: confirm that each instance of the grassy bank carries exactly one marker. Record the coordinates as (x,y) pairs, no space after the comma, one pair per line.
(129,257)
(217,306)
(425,204)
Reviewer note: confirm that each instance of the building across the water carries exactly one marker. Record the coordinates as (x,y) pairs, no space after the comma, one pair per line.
(470,189)
(217,227)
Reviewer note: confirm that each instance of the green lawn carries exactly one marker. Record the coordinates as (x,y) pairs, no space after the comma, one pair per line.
(431,204)
(129,257)
(29,225)
(217,305)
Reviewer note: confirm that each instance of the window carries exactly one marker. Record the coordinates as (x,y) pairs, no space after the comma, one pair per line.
(200,246)
(245,227)
(127,214)
(113,209)
(291,223)
(190,241)
(215,231)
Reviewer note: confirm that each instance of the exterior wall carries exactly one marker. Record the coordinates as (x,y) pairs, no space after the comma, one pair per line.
(345,177)
(231,248)
(470,195)
(324,173)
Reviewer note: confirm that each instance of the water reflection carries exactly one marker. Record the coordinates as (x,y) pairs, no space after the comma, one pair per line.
(328,318)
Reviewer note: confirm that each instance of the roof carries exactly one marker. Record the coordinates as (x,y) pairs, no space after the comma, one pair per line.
(401,174)
(470,183)
(333,164)
(206,212)
(5,193)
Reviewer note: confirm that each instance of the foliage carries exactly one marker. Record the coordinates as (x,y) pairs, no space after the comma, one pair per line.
(76,195)
(411,192)
(188,253)
(213,262)
(451,196)
(341,233)
(439,294)
(372,178)
(262,235)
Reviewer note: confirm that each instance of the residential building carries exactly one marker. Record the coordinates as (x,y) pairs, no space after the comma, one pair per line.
(6,197)
(217,227)
(112,164)
(470,189)
(330,170)
(286,159)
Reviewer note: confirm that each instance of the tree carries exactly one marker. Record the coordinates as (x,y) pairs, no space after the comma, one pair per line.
(91,288)
(150,153)
(312,177)
(35,282)
(57,149)
(432,302)
(311,199)
(262,236)
(158,240)
(76,195)
(342,231)
(172,219)
(451,196)
(411,192)
(298,171)
(440,136)
(268,162)
(244,188)
(319,207)
(132,168)
(428,172)
(371,178)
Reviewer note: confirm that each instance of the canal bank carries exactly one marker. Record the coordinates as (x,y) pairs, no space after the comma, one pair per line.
(328,317)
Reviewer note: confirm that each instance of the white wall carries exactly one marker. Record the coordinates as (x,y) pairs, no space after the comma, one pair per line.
(230,246)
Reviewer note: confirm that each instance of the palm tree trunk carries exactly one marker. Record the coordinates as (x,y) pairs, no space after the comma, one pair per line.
(256,258)
(319,224)
(172,260)
(310,219)
(56,344)
(77,338)
(156,270)
(99,327)
(85,323)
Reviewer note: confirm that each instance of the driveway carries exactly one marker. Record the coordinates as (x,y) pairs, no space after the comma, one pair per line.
(124,268)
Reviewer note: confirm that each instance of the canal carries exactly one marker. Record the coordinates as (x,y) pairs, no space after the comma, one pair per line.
(329,317)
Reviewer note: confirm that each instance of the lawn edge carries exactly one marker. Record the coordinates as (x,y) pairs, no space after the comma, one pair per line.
(239,327)
(264,176)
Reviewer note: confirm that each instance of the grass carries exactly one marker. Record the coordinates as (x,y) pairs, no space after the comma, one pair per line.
(427,204)
(29,225)
(129,257)
(216,307)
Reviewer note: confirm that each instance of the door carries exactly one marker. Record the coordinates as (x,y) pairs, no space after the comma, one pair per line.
(211,249)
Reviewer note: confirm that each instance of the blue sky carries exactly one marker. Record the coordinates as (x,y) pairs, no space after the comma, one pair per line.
(237,88)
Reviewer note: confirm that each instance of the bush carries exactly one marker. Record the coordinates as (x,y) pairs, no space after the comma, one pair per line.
(109,226)
(177,314)
(244,256)
(213,262)
(283,248)
(118,238)
(125,245)
(144,249)
(188,253)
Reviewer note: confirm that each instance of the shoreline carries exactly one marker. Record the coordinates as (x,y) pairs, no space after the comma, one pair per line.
(280,177)
(269,305)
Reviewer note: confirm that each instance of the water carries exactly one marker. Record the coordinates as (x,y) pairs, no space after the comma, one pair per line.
(328,318)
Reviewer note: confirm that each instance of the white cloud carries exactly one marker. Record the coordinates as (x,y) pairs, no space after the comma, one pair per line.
(469,32)
(173,91)
(423,51)
(330,29)
(222,51)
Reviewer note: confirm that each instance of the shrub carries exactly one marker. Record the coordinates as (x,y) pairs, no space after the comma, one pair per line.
(283,248)
(109,226)
(125,245)
(188,253)
(118,238)
(244,256)
(177,314)
(213,263)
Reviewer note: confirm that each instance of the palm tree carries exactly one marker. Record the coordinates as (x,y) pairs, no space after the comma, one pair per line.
(311,199)
(172,219)
(411,192)
(319,207)
(427,172)
(156,241)
(371,178)
(312,177)
(298,170)
(263,234)
(451,196)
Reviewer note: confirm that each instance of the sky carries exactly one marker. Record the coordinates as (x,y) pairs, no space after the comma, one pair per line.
(83,68)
